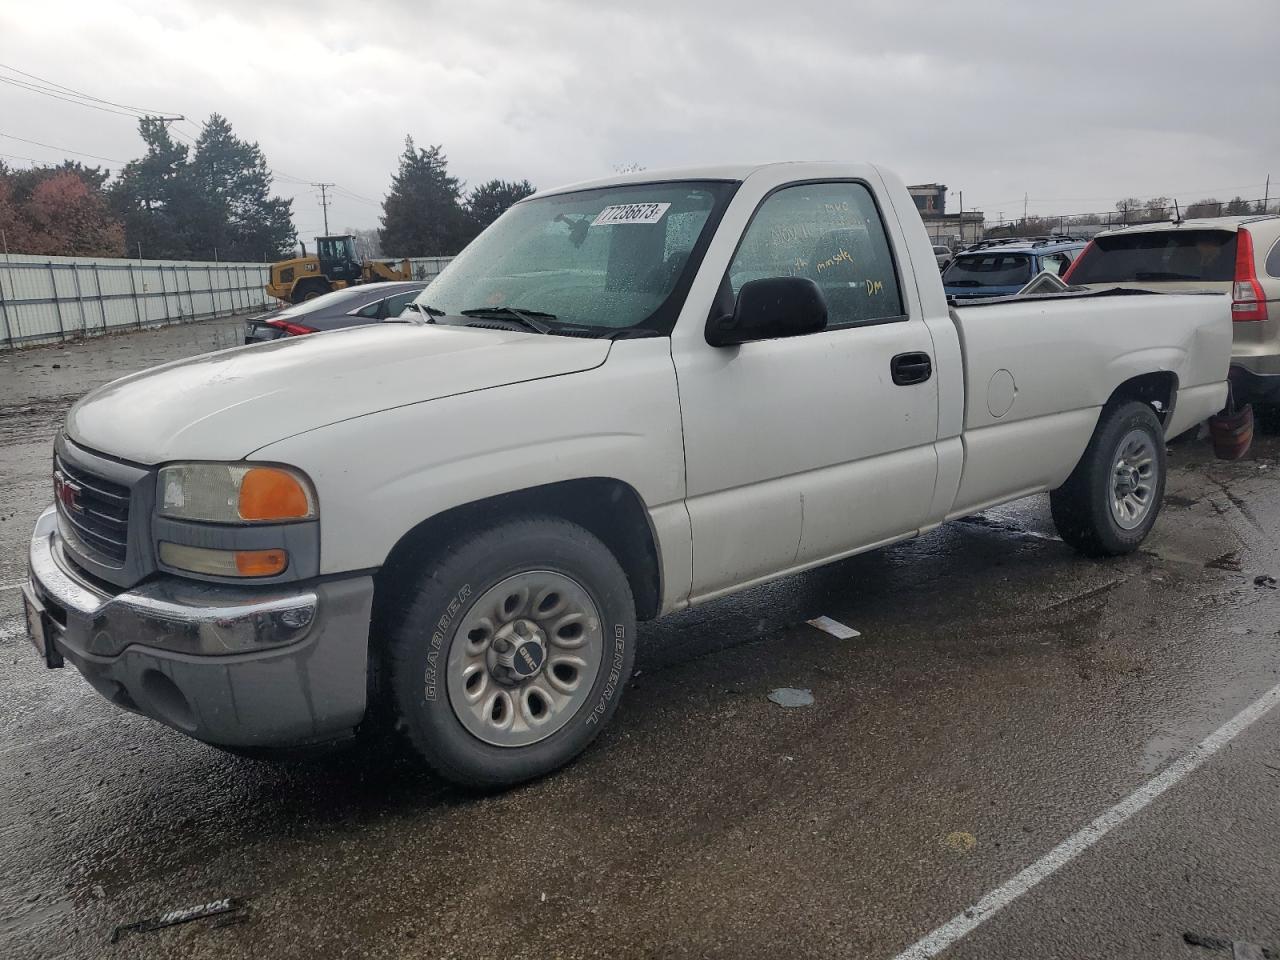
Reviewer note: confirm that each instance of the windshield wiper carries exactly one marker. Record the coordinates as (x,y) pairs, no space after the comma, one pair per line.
(1162,275)
(529,318)
(429,313)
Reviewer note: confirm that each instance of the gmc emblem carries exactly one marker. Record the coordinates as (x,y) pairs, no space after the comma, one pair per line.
(67,492)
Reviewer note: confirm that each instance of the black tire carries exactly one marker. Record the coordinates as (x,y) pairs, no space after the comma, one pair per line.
(426,617)
(309,290)
(1081,507)
(1266,417)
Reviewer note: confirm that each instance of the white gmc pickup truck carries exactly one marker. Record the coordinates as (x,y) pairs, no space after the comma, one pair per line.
(624,398)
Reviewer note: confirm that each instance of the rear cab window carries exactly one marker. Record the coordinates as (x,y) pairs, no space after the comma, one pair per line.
(1206,256)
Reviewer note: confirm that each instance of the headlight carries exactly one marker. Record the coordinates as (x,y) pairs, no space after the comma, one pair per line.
(234,493)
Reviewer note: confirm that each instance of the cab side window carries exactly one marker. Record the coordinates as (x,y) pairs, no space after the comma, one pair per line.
(832,234)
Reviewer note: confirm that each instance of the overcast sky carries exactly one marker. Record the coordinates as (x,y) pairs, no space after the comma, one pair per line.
(1076,104)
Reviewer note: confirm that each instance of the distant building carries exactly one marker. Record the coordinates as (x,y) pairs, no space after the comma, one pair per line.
(930,198)
(945,228)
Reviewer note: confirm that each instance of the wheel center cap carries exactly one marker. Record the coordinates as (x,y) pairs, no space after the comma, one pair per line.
(521,649)
(1126,480)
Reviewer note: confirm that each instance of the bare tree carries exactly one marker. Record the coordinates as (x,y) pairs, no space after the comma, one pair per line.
(368,244)
(1208,207)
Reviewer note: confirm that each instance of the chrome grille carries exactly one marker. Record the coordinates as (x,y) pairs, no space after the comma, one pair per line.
(95,509)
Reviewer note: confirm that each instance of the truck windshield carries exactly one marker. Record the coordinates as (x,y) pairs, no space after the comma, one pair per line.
(1201,256)
(608,258)
(988,270)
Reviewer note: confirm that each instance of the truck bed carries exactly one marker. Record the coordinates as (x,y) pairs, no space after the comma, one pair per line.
(1039,369)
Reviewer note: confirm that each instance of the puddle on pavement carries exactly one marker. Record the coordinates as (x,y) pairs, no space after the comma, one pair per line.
(38,914)
(1228,561)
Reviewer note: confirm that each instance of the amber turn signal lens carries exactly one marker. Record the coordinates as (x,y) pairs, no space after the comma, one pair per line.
(268,493)
(224,563)
(261,563)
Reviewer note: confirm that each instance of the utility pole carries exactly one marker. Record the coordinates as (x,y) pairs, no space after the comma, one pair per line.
(1266,196)
(1024,209)
(324,203)
(961,192)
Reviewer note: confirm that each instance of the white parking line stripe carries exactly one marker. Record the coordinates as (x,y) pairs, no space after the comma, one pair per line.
(1057,858)
(11,586)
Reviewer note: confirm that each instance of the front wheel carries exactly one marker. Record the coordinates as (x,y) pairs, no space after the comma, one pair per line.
(1110,502)
(508,653)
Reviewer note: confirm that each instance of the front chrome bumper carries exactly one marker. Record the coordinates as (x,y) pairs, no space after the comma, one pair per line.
(172,614)
(226,664)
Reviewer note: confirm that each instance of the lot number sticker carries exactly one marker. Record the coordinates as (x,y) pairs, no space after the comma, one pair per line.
(630,213)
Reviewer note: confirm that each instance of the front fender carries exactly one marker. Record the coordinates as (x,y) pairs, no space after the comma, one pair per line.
(380,475)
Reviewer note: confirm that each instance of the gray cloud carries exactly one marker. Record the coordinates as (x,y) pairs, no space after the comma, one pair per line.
(1075,104)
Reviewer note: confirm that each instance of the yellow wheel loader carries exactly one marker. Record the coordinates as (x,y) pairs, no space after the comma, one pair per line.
(335,266)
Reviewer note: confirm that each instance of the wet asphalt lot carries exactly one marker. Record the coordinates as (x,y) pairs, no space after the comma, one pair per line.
(1003,693)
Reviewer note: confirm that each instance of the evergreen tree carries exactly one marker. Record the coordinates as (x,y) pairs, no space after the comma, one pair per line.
(214,202)
(234,211)
(422,216)
(490,200)
(154,195)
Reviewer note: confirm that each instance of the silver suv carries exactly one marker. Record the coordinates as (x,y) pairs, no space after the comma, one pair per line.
(1239,256)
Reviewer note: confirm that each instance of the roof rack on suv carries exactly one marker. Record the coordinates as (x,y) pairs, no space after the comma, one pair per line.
(996,242)
(1023,241)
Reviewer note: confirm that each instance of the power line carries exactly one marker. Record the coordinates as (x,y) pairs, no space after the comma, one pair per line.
(281,175)
(58,91)
(79,153)
(14,156)
(352,195)
(81,93)
(79,103)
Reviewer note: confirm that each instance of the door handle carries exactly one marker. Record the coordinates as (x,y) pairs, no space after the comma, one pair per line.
(909,368)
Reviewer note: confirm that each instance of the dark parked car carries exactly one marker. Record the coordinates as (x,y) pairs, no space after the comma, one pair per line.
(1003,268)
(349,307)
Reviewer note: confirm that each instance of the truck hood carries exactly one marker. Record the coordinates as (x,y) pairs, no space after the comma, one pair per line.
(225,405)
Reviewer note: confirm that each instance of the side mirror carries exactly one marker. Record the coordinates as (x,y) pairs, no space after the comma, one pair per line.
(768,308)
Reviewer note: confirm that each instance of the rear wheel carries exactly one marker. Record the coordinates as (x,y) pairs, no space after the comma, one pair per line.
(309,290)
(509,652)
(1112,498)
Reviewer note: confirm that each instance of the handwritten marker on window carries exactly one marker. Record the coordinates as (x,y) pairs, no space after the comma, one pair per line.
(833,627)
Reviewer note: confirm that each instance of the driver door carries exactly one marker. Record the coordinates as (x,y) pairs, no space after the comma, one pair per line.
(804,449)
